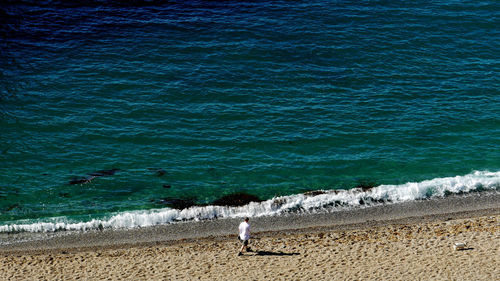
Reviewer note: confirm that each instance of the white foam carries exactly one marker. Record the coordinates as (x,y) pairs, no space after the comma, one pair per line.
(328,200)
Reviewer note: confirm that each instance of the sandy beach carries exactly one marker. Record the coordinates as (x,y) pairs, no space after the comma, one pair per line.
(402,245)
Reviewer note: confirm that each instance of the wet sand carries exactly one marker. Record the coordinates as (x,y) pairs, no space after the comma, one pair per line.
(411,241)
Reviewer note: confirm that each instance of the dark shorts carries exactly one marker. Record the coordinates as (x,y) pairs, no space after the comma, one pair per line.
(244,242)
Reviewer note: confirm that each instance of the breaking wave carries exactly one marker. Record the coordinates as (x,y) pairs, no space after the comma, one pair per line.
(321,200)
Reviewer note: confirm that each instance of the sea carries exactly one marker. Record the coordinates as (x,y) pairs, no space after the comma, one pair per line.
(126,114)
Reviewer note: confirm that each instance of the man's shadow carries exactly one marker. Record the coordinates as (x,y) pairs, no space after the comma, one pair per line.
(269,253)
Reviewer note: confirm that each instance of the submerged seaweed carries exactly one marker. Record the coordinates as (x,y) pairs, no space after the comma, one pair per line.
(236,199)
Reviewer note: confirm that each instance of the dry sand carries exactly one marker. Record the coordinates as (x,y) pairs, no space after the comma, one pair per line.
(401,249)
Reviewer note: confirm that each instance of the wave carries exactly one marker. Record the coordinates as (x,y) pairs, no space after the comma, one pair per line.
(318,201)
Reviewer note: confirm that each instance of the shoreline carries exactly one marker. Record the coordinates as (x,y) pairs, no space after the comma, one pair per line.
(421,211)
(413,241)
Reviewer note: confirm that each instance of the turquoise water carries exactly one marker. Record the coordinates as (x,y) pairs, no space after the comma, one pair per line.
(200,99)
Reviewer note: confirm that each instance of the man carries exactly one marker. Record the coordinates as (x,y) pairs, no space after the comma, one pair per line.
(244,236)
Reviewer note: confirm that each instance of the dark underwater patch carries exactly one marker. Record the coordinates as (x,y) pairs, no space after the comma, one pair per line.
(366,185)
(236,199)
(103,173)
(96,174)
(178,203)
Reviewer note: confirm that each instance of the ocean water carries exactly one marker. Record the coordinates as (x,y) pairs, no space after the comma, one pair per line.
(111,113)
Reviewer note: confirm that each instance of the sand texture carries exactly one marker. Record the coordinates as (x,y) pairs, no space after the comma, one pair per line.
(391,251)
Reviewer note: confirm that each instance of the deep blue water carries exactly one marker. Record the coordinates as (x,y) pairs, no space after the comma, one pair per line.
(199,99)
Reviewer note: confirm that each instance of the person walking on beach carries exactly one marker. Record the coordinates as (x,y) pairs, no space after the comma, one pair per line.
(244,236)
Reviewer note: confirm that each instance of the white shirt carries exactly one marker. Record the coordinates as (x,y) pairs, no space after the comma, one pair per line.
(244,231)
